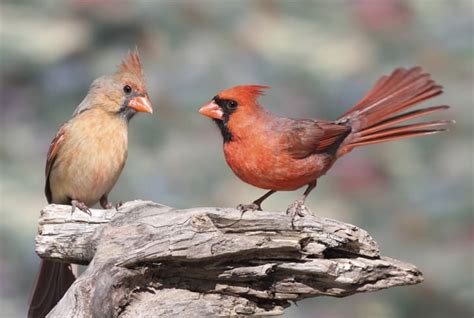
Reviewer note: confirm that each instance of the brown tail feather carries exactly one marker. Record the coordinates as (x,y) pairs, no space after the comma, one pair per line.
(374,117)
(51,284)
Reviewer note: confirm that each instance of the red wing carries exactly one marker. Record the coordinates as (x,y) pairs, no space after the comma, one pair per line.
(51,157)
(306,137)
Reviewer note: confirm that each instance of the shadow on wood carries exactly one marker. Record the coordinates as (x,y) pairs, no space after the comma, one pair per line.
(149,260)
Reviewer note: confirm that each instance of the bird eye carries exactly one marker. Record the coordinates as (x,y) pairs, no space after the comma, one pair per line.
(232,104)
(127,89)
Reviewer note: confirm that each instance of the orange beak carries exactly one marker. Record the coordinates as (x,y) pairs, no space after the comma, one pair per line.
(141,104)
(212,110)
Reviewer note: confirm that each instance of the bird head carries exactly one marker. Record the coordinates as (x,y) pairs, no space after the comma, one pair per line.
(123,93)
(234,107)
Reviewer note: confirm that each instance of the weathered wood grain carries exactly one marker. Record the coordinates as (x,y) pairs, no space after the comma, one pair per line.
(149,260)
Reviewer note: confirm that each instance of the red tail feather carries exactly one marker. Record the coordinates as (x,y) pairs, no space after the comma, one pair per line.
(396,137)
(373,118)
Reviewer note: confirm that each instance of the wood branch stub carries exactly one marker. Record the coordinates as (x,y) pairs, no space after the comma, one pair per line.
(151,260)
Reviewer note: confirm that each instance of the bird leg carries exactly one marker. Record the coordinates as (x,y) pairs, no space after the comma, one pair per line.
(81,206)
(298,208)
(255,205)
(105,204)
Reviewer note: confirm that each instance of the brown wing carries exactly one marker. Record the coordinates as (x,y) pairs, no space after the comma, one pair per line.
(305,137)
(51,157)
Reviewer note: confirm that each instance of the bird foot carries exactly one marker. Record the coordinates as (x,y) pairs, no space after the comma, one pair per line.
(109,206)
(81,206)
(249,207)
(297,208)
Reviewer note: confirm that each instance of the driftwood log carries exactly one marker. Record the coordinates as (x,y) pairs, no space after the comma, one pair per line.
(150,260)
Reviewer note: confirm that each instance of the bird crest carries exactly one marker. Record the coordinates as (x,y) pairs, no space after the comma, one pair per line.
(248,93)
(255,90)
(132,64)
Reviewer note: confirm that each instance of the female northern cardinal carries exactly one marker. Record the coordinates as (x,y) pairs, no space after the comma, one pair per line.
(85,160)
(282,154)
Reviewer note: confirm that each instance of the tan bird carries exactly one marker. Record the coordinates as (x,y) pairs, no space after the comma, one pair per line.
(85,160)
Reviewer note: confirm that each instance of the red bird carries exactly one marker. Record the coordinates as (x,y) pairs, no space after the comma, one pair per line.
(85,160)
(282,154)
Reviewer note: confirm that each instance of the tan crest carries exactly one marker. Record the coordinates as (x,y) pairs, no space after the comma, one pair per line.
(132,64)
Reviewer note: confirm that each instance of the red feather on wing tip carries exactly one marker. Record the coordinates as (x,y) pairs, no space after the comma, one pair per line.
(132,64)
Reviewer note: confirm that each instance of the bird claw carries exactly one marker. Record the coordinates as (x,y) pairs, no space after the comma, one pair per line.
(249,207)
(297,208)
(108,206)
(81,206)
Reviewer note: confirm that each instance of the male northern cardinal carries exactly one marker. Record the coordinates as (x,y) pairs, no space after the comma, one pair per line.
(85,160)
(282,154)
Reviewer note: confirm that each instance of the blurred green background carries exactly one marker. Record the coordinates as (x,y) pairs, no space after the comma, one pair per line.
(415,196)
